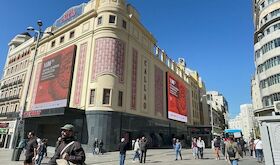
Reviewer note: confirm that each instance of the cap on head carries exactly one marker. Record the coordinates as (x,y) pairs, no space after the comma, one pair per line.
(68,127)
(122,140)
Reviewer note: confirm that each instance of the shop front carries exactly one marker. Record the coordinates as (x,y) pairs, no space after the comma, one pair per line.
(6,133)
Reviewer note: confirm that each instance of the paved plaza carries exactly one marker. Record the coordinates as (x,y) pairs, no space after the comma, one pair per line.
(154,156)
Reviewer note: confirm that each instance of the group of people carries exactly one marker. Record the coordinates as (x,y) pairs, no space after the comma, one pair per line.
(234,149)
(67,151)
(139,147)
(197,146)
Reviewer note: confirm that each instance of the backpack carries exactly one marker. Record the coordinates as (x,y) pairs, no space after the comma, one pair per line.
(231,152)
(217,143)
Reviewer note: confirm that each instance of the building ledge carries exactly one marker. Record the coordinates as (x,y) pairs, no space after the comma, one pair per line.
(268,118)
(270,108)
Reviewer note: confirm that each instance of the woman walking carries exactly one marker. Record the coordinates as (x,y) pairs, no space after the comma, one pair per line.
(194,148)
(136,149)
(217,147)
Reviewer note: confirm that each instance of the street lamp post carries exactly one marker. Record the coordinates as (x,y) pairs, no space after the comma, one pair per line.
(38,36)
(20,132)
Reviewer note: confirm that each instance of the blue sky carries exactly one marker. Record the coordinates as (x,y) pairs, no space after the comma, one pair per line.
(214,36)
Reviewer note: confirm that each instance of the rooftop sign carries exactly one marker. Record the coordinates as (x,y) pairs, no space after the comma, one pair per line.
(70,15)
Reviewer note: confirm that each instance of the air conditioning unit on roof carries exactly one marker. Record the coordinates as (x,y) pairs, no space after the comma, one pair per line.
(277,106)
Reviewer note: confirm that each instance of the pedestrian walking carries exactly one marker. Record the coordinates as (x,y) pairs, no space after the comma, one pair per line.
(259,149)
(217,146)
(173,143)
(178,148)
(233,151)
(43,152)
(100,145)
(194,148)
(31,148)
(70,150)
(251,146)
(224,142)
(136,149)
(22,146)
(122,147)
(38,149)
(95,147)
(243,145)
(143,148)
(200,146)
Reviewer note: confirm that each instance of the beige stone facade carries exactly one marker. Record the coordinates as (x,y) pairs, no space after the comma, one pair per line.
(118,78)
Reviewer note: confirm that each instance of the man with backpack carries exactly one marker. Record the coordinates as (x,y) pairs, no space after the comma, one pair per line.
(233,151)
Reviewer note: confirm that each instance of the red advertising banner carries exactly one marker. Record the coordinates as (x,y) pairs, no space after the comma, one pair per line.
(177,98)
(55,79)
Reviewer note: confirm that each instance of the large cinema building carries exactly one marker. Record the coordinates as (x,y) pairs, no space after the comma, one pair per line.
(103,72)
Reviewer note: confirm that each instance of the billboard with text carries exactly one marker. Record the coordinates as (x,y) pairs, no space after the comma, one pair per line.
(55,79)
(177,99)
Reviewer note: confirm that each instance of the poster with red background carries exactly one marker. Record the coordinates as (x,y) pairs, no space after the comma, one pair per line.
(55,79)
(177,99)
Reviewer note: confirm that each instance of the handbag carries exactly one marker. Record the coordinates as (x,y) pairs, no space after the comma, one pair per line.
(64,161)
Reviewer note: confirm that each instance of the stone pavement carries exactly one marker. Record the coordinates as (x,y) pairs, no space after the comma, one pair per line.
(154,156)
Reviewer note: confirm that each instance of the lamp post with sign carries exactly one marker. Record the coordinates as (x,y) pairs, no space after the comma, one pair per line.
(20,123)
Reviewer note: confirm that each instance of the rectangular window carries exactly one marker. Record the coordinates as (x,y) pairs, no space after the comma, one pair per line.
(62,39)
(106,96)
(124,24)
(120,99)
(99,20)
(91,97)
(53,44)
(112,19)
(72,33)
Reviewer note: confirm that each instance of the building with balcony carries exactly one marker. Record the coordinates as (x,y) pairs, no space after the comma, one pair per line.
(12,85)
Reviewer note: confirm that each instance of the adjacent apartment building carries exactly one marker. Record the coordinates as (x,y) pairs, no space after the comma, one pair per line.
(102,71)
(244,121)
(218,110)
(265,83)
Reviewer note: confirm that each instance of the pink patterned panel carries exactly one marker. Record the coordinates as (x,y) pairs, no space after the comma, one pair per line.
(108,58)
(134,78)
(158,90)
(80,74)
(35,86)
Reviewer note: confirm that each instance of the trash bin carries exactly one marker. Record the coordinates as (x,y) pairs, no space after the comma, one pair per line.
(16,154)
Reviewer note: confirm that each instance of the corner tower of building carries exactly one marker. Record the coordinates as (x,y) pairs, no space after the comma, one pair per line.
(266,80)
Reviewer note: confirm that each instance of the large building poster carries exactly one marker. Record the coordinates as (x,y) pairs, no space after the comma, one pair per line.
(177,98)
(55,79)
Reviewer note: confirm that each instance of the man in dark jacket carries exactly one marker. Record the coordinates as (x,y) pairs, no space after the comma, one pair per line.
(31,147)
(122,147)
(69,149)
(143,148)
